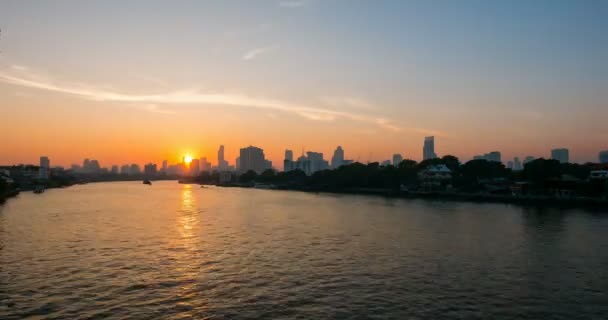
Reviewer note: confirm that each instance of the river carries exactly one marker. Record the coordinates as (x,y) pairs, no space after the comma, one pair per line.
(170,251)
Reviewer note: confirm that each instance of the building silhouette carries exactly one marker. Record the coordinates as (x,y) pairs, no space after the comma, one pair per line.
(603,156)
(517,164)
(397,158)
(252,158)
(205,165)
(288,155)
(561,155)
(222,164)
(338,158)
(45,168)
(490,156)
(428,150)
(195,168)
(150,169)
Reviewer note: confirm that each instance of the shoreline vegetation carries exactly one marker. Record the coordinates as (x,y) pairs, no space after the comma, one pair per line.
(542,182)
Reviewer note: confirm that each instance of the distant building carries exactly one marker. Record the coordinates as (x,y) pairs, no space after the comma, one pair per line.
(386,163)
(195,167)
(528,159)
(267,164)
(205,165)
(222,164)
(134,169)
(252,158)
(114,169)
(428,150)
(603,156)
(288,155)
(309,163)
(45,168)
(317,163)
(490,156)
(338,158)
(150,169)
(124,170)
(561,155)
(164,168)
(510,165)
(517,164)
(397,159)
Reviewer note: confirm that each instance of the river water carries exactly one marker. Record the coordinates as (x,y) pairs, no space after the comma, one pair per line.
(170,251)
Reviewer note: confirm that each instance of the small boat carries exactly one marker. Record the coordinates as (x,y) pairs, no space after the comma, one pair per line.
(39,189)
(148,182)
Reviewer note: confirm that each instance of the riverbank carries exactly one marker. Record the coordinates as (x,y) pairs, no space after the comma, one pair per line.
(9,194)
(546,201)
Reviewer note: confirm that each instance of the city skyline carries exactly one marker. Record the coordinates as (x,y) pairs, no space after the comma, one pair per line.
(263,74)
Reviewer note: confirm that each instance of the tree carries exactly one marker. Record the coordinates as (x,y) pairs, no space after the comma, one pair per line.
(541,170)
(248,176)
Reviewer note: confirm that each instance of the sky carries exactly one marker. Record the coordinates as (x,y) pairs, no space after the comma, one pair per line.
(144,81)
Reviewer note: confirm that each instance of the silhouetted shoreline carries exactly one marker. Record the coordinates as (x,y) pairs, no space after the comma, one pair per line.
(548,201)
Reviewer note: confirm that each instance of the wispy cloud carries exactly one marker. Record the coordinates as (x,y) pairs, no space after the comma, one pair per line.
(292,3)
(349,102)
(387,124)
(253,53)
(156,102)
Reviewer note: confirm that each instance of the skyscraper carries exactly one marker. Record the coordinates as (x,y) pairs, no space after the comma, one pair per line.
(222,164)
(150,169)
(164,168)
(428,150)
(288,155)
(252,158)
(516,164)
(45,168)
(603,156)
(338,159)
(561,155)
(195,168)
(397,158)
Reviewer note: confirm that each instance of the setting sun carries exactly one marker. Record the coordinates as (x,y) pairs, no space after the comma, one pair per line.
(187,159)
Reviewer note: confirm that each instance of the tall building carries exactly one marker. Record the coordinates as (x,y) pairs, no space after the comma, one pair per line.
(517,164)
(124,170)
(338,159)
(428,150)
(45,168)
(397,158)
(222,164)
(317,163)
(561,155)
(490,156)
(288,155)
(163,170)
(114,169)
(150,169)
(252,158)
(528,159)
(205,165)
(603,156)
(134,169)
(195,168)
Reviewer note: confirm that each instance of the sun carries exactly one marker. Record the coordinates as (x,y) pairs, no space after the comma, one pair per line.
(187,159)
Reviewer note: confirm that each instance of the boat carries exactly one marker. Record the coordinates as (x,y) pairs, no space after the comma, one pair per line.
(39,189)
(148,182)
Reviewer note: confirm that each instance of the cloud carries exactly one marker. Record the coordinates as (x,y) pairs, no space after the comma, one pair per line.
(292,3)
(387,125)
(253,53)
(350,102)
(155,102)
